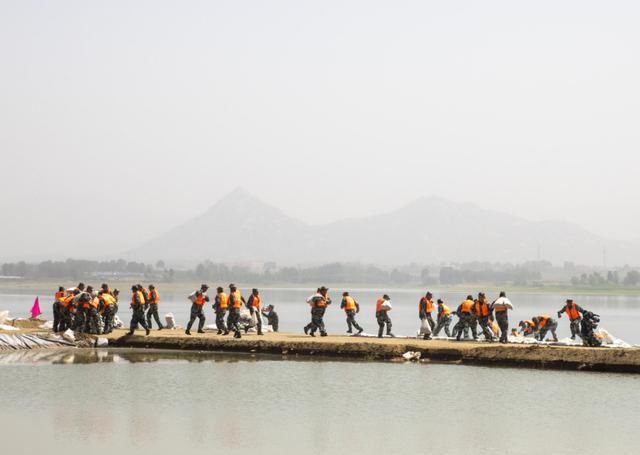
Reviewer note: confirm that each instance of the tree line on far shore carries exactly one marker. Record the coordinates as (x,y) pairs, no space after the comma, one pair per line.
(534,273)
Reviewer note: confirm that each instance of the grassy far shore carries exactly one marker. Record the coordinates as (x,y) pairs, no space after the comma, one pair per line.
(18,285)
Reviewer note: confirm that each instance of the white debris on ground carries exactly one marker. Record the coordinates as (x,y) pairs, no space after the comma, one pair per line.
(69,336)
(170,321)
(24,341)
(8,327)
(608,340)
(413,356)
(47,325)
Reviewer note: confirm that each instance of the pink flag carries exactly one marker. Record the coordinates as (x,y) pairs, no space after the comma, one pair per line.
(35,309)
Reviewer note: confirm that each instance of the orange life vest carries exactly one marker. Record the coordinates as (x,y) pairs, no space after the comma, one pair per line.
(223,301)
(481,309)
(379,304)
(154,297)
(572,312)
(466,306)
(67,300)
(428,304)
(200,299)
(59,296)
(237,300)
(94,302)
(349,303)
(320,302)
(542,321)
(256,302)
(140,297)
(444,311)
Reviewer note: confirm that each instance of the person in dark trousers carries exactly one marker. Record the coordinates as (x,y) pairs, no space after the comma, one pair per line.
(444,319)
(544,324)
(58,308)
(235,304)
(253,303)
(574,312)
(137,305)
(154,299)
(220,306)
(272,317)
(318,303)
(425,308)
(500,308)
(383,306)
(198,299)
(351,307)
(482,314)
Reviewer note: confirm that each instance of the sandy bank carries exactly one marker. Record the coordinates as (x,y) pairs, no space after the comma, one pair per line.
(288,344)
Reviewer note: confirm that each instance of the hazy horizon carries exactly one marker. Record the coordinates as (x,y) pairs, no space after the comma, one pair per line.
(123,120)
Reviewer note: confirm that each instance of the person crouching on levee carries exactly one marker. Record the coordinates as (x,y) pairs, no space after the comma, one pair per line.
(500,308)
(482,314)
(253,303)
(543,325)
(318,303)
(383,306)
(235,304)
(220,306)
(137,306)
(272,317)
(198,298)
(350,307)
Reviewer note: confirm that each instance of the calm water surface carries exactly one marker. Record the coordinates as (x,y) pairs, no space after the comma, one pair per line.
(620,314)
(108,401)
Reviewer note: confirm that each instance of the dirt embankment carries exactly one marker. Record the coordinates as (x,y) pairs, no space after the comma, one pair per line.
(515,355)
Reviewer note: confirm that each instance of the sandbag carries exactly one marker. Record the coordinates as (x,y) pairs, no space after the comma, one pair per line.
(170,321)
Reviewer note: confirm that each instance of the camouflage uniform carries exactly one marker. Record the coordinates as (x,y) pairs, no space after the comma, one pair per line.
(196,312)
(220,320)
(383,318)
(138,316)
(153,312)
(550,326)
(93,325)
(108,315)
(317,321)
(272,318)
(351,321)
(465,321)
(443,322)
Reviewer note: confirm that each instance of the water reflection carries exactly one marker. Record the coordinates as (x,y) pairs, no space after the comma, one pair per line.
(90,356)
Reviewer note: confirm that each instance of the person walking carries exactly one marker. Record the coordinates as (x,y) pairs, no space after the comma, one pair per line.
(220,306)
(383,306)
(154,299)
(137,306)
(235,304)
(254,307)
(319,303)
(444,319)
(198,299)
(482,314)
(351,307)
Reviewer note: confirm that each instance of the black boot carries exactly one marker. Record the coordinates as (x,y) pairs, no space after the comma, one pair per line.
(237,335)
(187,332)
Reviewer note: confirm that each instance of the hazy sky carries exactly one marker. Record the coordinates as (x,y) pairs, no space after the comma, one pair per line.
(120,119)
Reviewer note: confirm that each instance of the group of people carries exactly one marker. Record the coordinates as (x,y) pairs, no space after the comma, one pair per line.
(84,309)
(230,305)
(476,315)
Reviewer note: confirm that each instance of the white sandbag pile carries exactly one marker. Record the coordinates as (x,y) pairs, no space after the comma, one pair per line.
(23,341)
